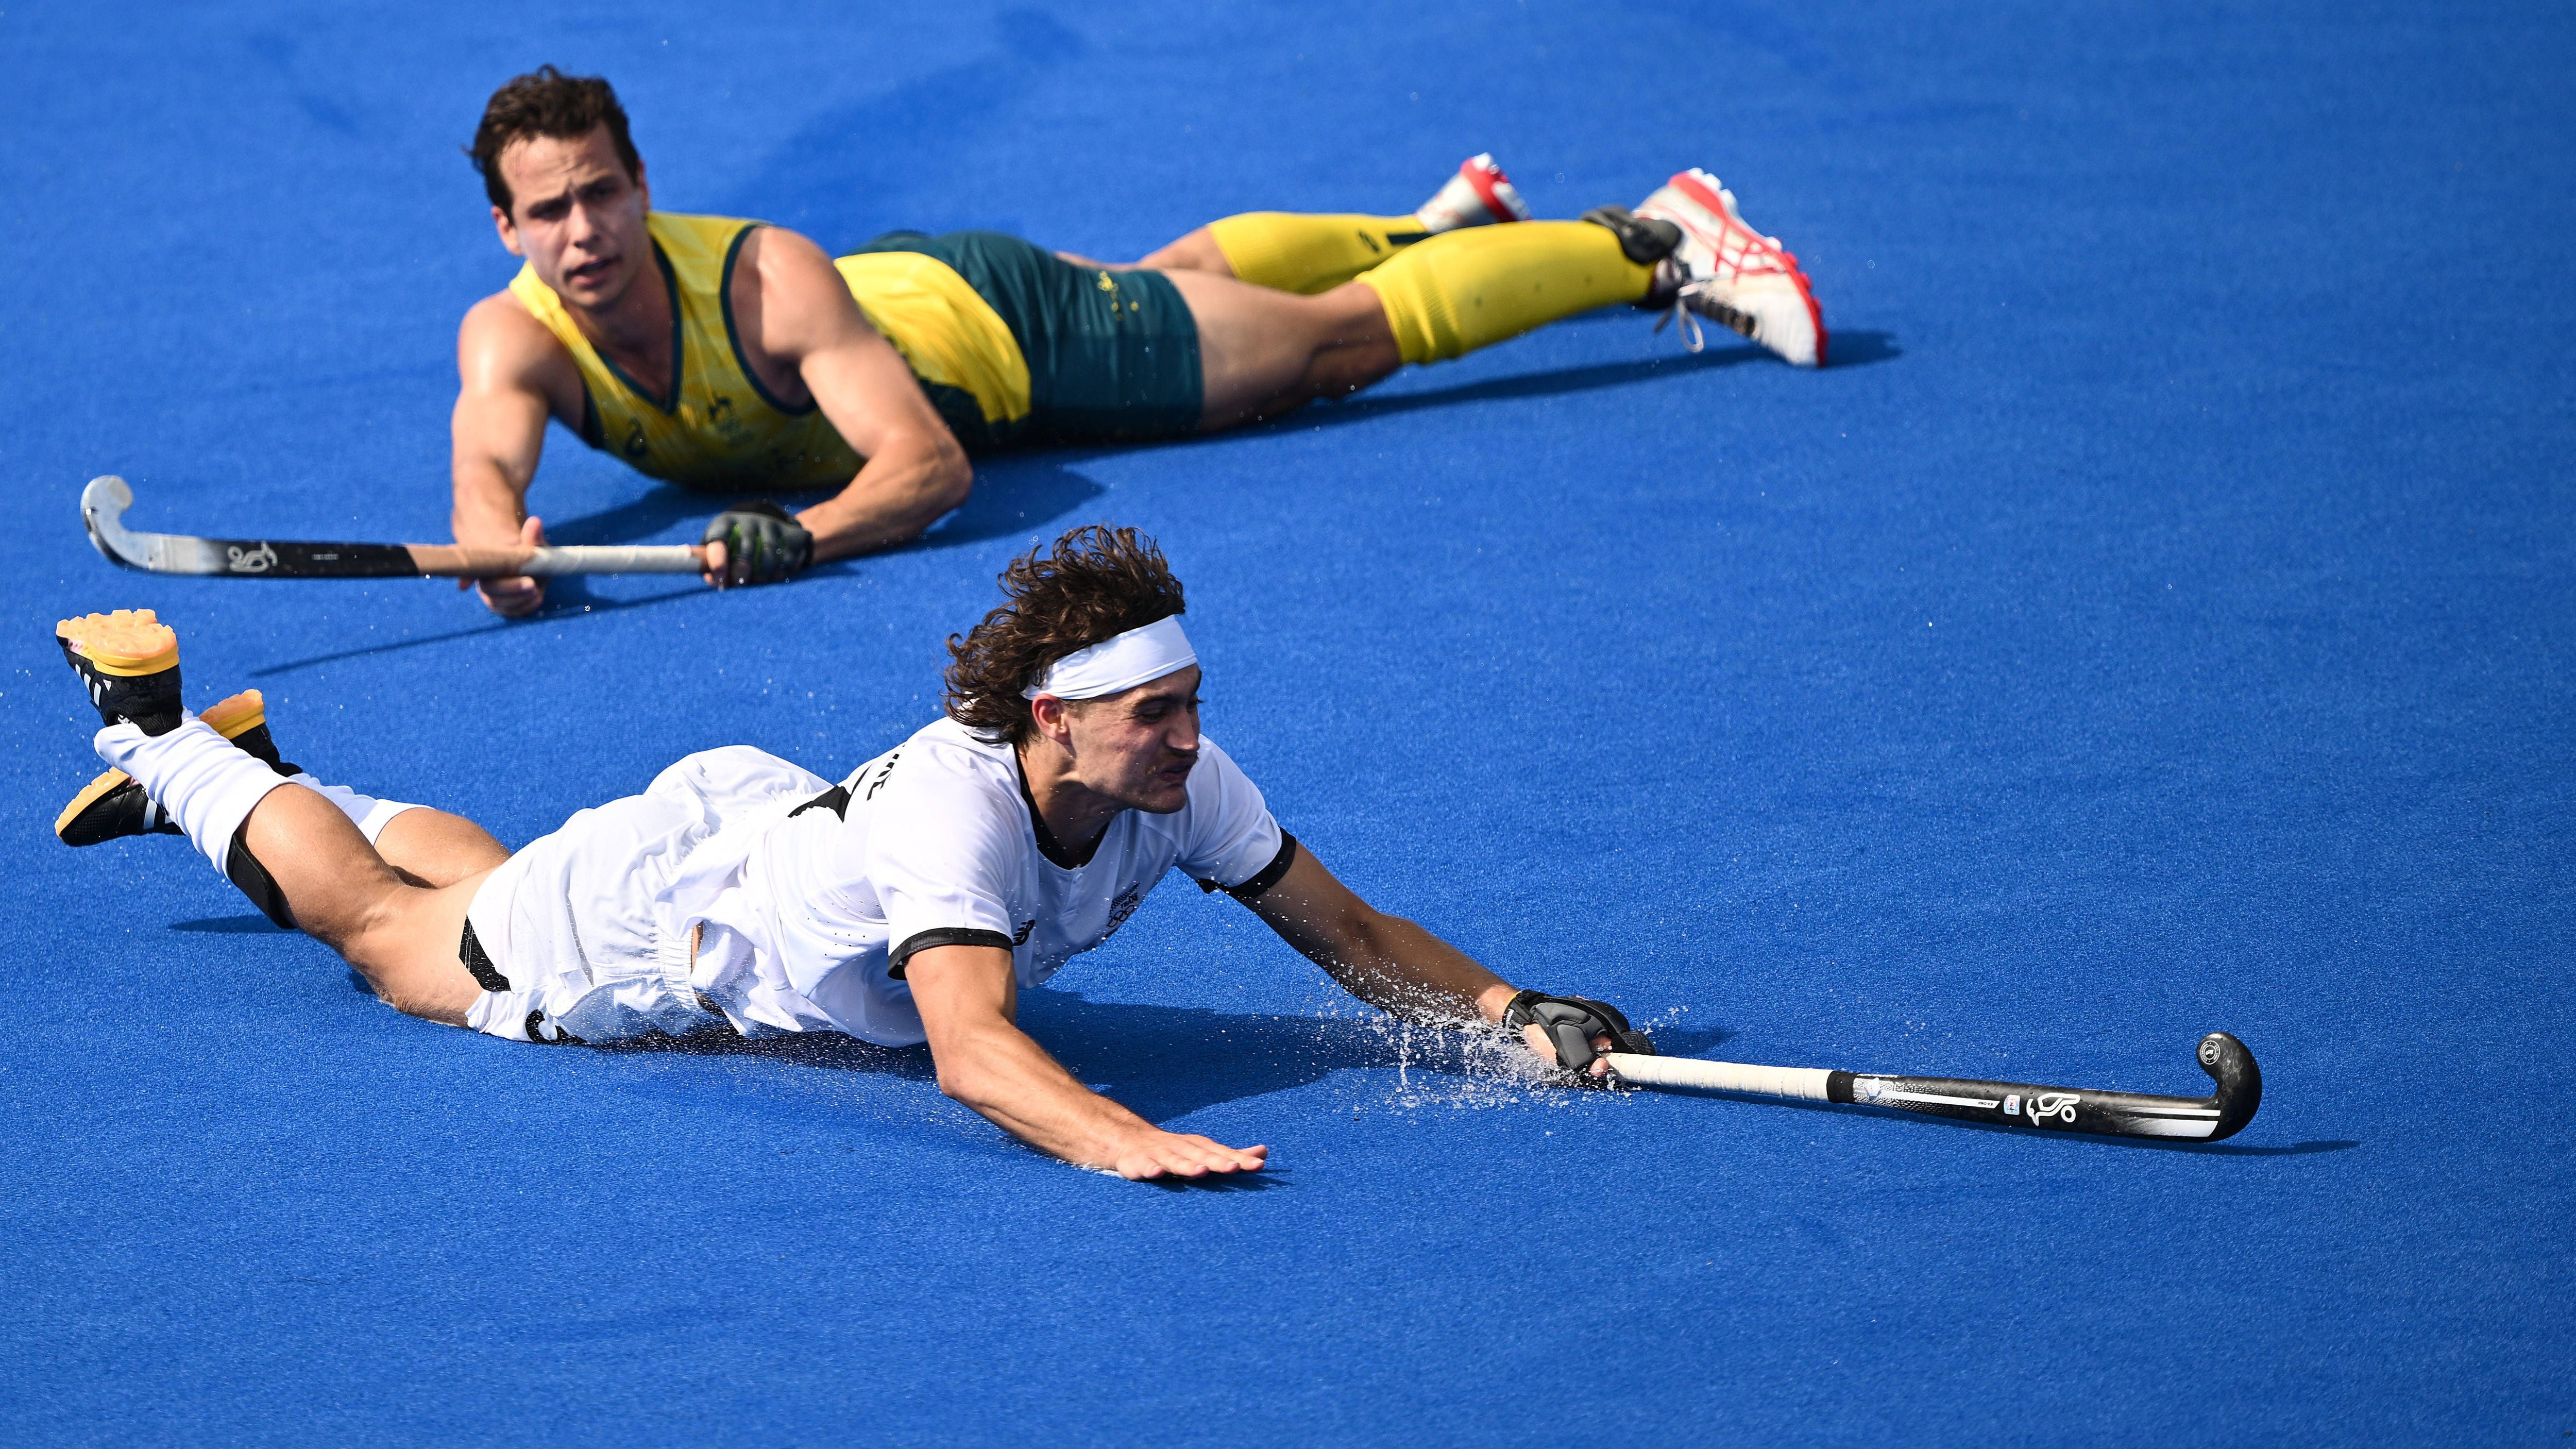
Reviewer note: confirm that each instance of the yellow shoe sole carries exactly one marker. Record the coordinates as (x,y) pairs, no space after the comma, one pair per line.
(129,643)
(113,780)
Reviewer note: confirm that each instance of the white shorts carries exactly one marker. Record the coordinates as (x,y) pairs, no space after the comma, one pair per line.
(589,924)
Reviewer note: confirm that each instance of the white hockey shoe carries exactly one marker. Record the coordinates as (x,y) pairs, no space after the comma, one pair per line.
(1734,275)
(1479,195)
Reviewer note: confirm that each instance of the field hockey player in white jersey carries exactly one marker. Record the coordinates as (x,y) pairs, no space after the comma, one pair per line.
(908,903)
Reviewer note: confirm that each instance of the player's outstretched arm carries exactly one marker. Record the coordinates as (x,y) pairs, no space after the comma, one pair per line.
(800,317)
(1387,961)
(967,997)
(511,376)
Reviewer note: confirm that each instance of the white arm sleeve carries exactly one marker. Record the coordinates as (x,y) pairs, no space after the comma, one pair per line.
(1231,837)
(943,848)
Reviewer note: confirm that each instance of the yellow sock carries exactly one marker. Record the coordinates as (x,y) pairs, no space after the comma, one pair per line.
(1293,252)
(1462,290)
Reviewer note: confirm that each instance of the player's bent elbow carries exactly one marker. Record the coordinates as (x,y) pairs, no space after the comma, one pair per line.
(962,1085)
(956,1071)
(952,477)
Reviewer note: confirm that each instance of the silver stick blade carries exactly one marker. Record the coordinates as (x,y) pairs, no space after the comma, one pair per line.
(103,505)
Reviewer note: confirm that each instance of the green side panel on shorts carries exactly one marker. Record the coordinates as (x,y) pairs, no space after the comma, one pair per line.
(965,418)
(1112,356)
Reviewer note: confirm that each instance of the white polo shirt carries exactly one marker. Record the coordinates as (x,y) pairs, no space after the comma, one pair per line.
(935,843)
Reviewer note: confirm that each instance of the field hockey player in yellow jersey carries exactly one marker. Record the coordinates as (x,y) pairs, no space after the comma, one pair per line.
(725,355)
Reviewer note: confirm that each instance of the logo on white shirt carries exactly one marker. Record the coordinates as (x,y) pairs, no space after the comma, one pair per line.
(1121,908)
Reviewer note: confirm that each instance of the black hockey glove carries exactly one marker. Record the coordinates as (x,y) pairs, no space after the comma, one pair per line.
(1571,1022)
(763,542)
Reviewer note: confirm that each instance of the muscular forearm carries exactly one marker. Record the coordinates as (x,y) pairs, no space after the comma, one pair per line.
(966,995)
(1404,970)
(487,509)
(902,490)
(1008,1078)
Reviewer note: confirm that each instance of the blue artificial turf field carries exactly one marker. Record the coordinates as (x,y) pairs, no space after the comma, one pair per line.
(2159,621)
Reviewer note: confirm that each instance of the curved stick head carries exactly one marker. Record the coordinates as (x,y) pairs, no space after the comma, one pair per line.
(103,505)
(2240,1082)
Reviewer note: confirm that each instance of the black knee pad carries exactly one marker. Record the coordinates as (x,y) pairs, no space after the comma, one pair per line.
(252,878)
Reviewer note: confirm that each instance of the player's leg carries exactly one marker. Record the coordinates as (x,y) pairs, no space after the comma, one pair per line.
(1263,353)
(428,847)
(433,848)
(1312,253)
(400,935)
(1686,247)
(296,852)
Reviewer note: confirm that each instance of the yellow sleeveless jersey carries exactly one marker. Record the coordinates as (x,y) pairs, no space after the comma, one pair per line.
(717,427)
(949,335)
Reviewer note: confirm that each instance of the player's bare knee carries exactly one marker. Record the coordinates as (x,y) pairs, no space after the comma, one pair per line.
(367,921)
(344,930)
(1337,372)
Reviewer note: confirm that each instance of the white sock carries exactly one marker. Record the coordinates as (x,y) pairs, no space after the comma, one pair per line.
(368,813)
(200,779)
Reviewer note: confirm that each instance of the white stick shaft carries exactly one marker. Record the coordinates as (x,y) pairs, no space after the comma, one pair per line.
(1803,1083)
(592,559)
(451,560)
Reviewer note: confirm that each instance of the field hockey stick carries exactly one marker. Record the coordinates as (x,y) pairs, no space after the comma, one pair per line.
(2001,1104)
(104,501)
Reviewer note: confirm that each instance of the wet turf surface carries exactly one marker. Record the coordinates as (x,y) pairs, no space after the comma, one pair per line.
(2159,622)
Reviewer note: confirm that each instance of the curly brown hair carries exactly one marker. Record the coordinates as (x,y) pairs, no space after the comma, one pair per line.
(546,102)
(1095,583)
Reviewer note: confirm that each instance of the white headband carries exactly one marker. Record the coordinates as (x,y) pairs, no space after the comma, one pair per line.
(1123,662)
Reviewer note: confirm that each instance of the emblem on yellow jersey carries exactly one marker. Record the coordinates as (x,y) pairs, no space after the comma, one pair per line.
(720,416)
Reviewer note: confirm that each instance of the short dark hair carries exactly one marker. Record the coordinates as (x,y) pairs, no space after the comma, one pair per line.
(1095,583)
(546,102)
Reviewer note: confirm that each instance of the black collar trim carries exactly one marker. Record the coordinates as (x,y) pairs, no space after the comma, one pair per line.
(1056,854)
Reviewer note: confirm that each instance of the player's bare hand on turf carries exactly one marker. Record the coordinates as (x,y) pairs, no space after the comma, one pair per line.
(1181,1154)
(758,542)
(515,597)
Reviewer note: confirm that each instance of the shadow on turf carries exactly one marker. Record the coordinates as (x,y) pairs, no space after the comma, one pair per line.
(1014,497)
(1014,493)
(1018,495)
(566,600)
(1169,1061)
(2140,1144)
(832,181)
(1847,349)
(250,925)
